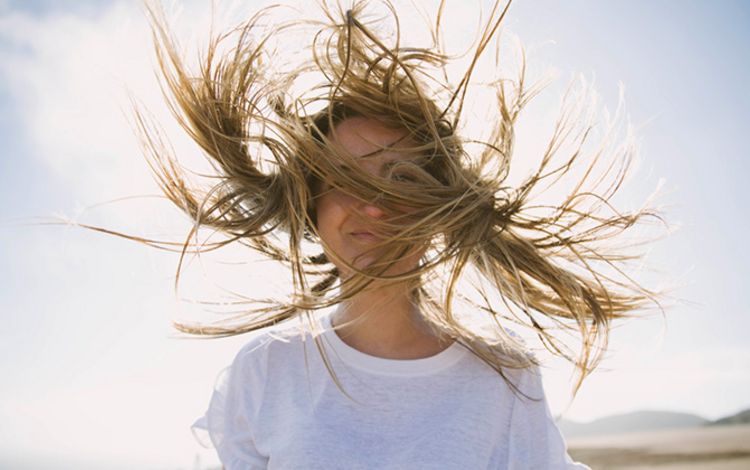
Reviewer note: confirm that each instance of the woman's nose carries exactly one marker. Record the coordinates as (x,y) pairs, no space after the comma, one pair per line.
(371,210)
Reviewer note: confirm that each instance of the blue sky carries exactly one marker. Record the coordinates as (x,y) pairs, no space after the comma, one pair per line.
(88,359)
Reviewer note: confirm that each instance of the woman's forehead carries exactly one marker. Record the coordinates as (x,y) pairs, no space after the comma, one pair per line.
(362,137)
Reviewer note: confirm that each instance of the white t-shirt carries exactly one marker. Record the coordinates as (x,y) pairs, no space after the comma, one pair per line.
(277,407)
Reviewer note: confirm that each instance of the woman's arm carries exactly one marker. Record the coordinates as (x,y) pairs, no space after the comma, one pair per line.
(536,442)
(232,411)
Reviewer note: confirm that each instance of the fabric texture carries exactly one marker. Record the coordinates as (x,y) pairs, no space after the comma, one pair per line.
(277,407)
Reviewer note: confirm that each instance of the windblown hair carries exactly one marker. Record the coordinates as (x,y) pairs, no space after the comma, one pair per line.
(268,135)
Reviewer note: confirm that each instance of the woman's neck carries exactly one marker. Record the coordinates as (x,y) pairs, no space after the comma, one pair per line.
(385,322)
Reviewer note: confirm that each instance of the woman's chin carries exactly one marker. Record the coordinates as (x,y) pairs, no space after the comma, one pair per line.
(369,266)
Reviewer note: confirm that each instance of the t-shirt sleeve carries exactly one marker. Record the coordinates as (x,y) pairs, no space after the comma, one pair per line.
(535,440)
(228,423)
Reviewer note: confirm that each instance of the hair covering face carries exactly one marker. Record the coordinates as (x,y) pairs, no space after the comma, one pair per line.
(269,139)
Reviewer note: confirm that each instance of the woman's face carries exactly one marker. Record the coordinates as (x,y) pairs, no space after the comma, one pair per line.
(346,224)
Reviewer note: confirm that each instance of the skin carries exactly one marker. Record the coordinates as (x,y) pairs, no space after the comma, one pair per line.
(382,319)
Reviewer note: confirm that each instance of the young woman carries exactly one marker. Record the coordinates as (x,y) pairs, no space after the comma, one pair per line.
(364,185)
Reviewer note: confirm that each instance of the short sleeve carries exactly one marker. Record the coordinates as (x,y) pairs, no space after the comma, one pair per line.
(535,440)
(228,424)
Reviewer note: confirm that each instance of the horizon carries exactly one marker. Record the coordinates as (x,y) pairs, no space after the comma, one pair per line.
(653,410)
(90,360)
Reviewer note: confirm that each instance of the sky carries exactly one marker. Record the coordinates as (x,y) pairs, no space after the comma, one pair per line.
(91,373)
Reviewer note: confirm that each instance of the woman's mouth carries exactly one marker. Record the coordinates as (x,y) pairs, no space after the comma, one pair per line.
(365,236)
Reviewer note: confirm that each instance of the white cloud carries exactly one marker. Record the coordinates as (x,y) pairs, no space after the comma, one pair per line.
(71,77)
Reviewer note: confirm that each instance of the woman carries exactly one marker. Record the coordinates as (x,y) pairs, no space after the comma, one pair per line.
(377,359)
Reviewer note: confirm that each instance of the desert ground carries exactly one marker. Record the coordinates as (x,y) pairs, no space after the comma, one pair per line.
(704,448)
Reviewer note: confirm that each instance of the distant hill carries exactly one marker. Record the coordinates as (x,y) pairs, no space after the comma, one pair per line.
(743,417)
(631,422)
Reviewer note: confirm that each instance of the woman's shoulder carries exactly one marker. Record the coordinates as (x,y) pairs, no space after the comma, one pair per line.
(276,342)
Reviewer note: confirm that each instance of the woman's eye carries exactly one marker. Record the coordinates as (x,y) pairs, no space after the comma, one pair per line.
(404,178)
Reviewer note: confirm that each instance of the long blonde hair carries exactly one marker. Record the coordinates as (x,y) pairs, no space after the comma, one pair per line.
(269,144)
